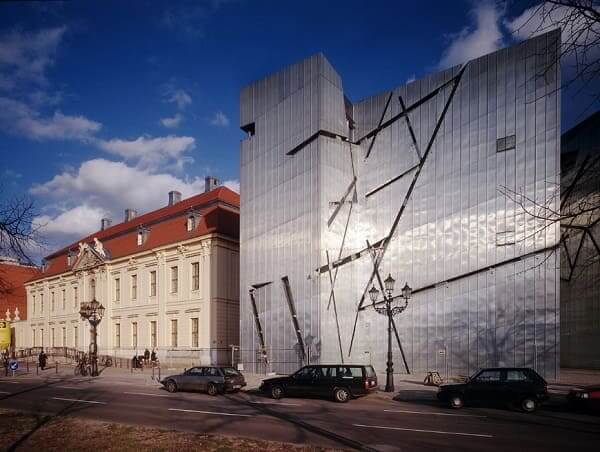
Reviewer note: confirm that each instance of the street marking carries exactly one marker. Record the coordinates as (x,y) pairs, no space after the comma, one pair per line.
(147,394)
(274,403)
(210,412)
(5,392)
(433,414)
(423,431)
(78,400)
(11,382)
(69,387)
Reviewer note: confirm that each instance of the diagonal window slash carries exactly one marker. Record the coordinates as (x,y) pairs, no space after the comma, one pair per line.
(410,129)
(341,202)
(387,104)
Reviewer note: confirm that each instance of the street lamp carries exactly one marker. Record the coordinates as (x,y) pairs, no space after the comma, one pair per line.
(390,311)
(93,311)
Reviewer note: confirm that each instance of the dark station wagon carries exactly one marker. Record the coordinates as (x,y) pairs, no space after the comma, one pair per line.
(338,381)
(212,379)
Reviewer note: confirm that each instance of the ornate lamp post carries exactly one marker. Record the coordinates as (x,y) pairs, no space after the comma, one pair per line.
(390,311)
(93,311)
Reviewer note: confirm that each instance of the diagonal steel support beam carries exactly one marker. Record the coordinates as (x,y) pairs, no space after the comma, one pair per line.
(387,104)
(388,238)
(259,330)
(342,201)
(337,322)
(410,129)
(290,300)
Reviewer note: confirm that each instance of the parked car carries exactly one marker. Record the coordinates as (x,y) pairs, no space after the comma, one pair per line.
(520,386)
(212,379)
(340,381)
(587,398)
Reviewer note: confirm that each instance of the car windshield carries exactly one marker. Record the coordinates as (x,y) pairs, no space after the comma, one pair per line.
(230,372)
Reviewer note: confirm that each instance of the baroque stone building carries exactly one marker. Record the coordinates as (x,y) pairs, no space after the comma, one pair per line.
(410,178)
(168,280)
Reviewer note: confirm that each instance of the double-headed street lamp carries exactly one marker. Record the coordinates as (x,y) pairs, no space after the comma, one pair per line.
(93,311)
(390,311)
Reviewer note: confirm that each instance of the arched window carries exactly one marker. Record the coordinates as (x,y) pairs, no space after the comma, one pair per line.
(92,289)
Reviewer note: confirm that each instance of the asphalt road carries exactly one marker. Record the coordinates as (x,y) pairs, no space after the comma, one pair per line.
(415,422)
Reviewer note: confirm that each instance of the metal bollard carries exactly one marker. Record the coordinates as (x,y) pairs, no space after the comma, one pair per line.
(27,363)
(37,369)
(56,364)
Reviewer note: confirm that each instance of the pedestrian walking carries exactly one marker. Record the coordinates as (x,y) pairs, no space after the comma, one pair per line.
(146,356)
(153,356)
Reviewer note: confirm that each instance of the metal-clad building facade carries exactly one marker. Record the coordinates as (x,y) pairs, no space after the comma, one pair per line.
(321,176)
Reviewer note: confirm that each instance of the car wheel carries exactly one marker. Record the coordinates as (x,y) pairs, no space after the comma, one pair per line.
(276,392)
(456,401)
(212,389)
(341,395)
(171,386)
(529,404)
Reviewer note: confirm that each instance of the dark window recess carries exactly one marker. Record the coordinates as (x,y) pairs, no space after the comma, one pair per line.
(250,129)
(506,143)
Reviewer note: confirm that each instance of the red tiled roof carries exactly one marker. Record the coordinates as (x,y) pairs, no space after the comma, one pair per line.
(219,210)
(12,289)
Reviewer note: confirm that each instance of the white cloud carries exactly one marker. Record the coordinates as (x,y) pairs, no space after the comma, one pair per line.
(17,117)
(411,79)
(76,200)
(219,119)
(173,122)
(484,37)
(233,185)
(79,221)
(150,153)
(26,56)
(179,97)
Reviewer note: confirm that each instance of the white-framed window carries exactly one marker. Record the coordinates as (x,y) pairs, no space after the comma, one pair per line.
(33,303)
(191,223)
(117,289)
(195,332)
(75,336)
(133,287)
(195,275)
(64,336)
(153,283)
(174,279)
(140,238)
(92,289)
(75,297)
(134,334)
(52,303)
(153,333)
(42,337)
(42,303)
(33,336)
(117,335)
(52,337)
(64,300)
(174,333)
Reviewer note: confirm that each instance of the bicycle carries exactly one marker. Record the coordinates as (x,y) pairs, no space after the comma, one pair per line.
(83,368)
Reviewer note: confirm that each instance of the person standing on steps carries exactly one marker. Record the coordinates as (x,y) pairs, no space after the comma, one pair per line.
(42,360)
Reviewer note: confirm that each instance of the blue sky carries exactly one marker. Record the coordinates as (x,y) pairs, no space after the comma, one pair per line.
(107,105)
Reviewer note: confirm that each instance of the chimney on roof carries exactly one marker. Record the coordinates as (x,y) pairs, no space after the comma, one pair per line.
(130,214)
(105,223)
(210,183)
(174,197)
